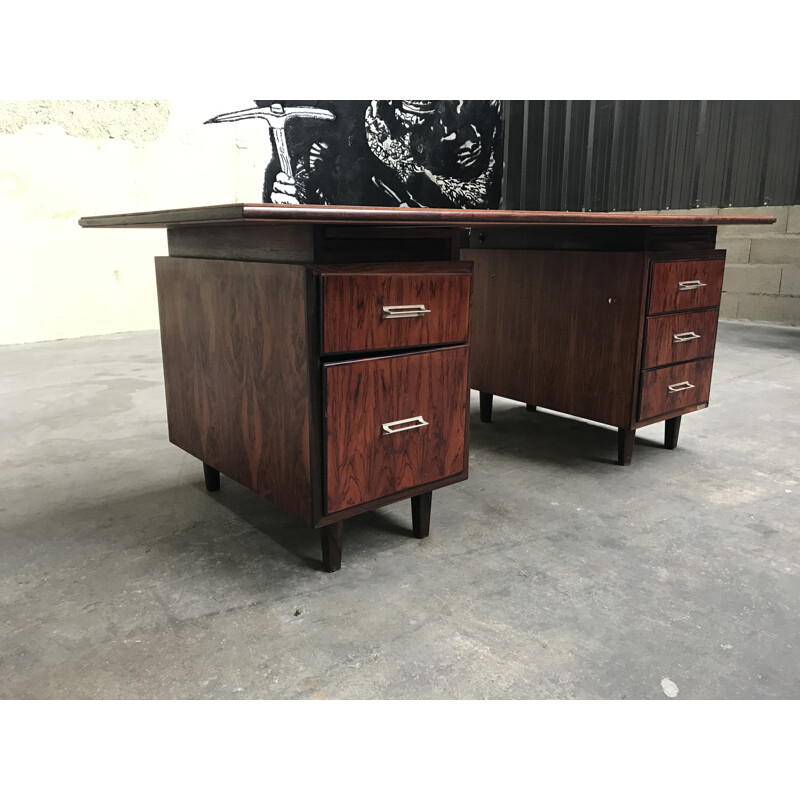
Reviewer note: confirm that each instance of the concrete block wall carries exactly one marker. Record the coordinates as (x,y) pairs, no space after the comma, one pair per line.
(762,272)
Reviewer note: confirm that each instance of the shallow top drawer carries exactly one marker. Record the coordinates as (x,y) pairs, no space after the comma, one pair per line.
(682,285)
(381,312)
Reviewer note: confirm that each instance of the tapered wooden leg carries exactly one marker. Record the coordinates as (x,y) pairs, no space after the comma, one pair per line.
(529,407)
(212,478)
(671,430)
(486,406)
(625,439)
(421,514)
(331,538)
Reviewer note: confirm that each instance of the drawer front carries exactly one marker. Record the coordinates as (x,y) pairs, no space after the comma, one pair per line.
(374,312)
(394,423)
(680,337)
(683,285)
(673,388)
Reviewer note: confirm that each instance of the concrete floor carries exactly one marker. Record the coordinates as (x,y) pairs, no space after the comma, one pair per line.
(550,573)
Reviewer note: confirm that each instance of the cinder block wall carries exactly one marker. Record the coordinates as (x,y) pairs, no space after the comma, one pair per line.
(762,272)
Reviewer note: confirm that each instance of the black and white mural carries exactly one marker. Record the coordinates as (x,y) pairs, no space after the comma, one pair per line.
(414,153)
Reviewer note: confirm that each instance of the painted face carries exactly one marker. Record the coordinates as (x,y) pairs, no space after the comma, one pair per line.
(455,139)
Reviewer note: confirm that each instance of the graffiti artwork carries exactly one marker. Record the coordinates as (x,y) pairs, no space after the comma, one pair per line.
(413,153)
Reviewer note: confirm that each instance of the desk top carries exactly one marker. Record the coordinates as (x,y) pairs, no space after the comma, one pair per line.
(260,213)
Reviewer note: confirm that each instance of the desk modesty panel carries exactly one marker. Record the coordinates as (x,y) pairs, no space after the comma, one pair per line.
(320,355)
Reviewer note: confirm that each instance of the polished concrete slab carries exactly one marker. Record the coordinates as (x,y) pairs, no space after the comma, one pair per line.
(550,573)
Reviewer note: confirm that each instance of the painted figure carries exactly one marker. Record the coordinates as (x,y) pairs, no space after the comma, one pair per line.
(415,153)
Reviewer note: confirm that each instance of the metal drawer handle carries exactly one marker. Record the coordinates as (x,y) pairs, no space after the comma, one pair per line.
(687,286)
(680,387)
(404,312)
(388,427)
(685,337)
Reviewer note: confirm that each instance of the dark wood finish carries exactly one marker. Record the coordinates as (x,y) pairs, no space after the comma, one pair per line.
(679,240)
(565,329)
(611,238)
(353,319)
(348,244)
(672,428)
(656,397)
(530,408)
(625,441)
(377,232)
(211,477)
(486,400)
(421,514)
(233,337)
(362,463)
(249,390)
(669,415)
(315,432)
(660,346)
(331,540)
(665,295)
(371,215)
(273,243)
(559,330)
(397,496)
(380,268)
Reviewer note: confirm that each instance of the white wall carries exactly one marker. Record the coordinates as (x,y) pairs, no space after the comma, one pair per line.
(63,160)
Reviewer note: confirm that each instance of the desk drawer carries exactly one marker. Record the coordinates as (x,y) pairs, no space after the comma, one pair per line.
(680,337)
(393,423)
(683,285)
(672,388)
(382,312)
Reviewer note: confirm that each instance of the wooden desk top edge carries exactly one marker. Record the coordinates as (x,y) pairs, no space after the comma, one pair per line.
(248,213)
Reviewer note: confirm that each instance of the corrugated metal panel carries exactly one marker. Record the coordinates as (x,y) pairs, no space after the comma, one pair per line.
(626,155)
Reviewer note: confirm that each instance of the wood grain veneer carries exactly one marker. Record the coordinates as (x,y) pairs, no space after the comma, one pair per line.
(234,344)
(353,319)
(274,243)
(656,397)
(660,346)
(361,462)
(666,295)
(372,215)
(559,329)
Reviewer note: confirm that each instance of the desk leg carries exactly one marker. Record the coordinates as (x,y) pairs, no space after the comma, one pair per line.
(331,538)
(671,430)
(212,478)
(486,406)
(421,514)
(529,407)
(625,439)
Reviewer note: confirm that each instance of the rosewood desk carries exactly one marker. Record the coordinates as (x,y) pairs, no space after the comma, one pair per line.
(320,355)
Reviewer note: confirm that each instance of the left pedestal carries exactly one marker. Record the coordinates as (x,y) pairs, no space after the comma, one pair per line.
(328,389)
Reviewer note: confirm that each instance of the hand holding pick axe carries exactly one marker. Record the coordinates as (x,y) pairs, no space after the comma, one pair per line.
(277,116)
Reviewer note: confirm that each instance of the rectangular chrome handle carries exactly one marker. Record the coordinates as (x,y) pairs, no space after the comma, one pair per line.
(687,286)
(416,422)
(685,337)
(404,312)
(680,387)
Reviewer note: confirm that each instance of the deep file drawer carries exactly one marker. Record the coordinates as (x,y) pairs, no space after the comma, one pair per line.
(362,312)
(673,388)
(680,285)
(680,337)
(393,423)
